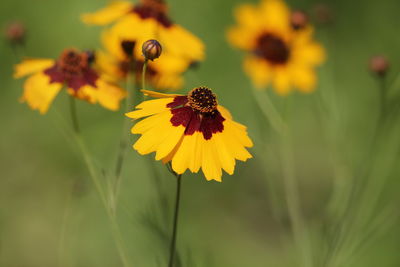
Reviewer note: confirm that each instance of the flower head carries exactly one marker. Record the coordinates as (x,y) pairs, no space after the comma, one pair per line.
(135,24)
(15,32)
(191,131)
(280,47)
(379,65)
(74,71)
(151,49)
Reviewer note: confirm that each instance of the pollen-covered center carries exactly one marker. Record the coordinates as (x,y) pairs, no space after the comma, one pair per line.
(72,62)
(203,100)
(272,48)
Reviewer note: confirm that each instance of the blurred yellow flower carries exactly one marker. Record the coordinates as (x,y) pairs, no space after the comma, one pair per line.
(280,54)
(192,131)
(72,69)
(135,24)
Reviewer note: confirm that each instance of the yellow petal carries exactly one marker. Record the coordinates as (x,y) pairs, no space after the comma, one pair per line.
(182,157)
(155,134)
(224,112)
(167,82)
(180,42)
(258,70)
(110,13)
(109,95)
(29,66)
(210,161)
(304,78)
(157,94)
(276,15)
(225,157)
(281,80)
(150,107)
(39,92)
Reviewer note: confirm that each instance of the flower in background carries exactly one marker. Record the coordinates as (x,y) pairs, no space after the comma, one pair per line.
(15,32)
(119,59)
(135,24)
(280,46)
(191,131)
(72,69)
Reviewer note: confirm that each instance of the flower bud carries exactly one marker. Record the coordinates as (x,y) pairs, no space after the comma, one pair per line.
(151,49)
(298,19)
(15,32)
(379,65)
(323,13)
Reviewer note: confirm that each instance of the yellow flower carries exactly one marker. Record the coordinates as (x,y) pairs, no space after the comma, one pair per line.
(72,69)
(135,24)
(279,54)
(123,56)
(190,131)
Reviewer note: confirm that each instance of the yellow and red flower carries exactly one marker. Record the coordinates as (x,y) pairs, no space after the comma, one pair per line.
(191,131)
(72,70)
(280,53)
(135,24)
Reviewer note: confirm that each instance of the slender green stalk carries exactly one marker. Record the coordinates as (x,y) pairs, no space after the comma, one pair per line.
(74,117)
(93,174)
(145,63)
(172,250)
(300,234)
(130,102)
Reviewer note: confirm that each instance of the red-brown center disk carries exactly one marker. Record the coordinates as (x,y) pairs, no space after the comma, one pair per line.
(72,62)
(273,49)
(197,112)
(73,68)
(203,100)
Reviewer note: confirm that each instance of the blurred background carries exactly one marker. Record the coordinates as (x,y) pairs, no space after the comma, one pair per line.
(51,215)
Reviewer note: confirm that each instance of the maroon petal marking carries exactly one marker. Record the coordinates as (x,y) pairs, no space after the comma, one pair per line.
(56,76)
(146,12)
(181,116)
(90,77)
(193,121)
(211,124)
(178,101)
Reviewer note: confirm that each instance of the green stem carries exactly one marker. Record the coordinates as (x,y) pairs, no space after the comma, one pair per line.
(172,250)
(74,117)
(130,103)
(146,61)
(300,234)
(96,181)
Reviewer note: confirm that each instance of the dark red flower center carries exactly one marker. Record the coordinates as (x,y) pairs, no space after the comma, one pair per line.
(202,99)
(197,112)
(272,48)
(73,68)
(156,9)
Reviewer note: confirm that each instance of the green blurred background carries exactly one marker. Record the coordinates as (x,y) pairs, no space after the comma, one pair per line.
(50,213)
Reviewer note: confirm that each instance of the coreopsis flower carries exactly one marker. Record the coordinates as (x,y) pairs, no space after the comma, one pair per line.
(191,131)
(135,24)
(279,52)
(121,58)
(72,70)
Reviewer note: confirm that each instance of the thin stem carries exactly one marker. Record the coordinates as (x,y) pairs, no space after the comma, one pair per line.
(300,233)
(172,250)
(130,102)
(96,181)
(146,61)
(74,117)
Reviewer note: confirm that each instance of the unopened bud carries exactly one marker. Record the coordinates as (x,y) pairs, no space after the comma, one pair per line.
(323,13)
(298,19)
(379,65)
(151,49)
(15,32)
